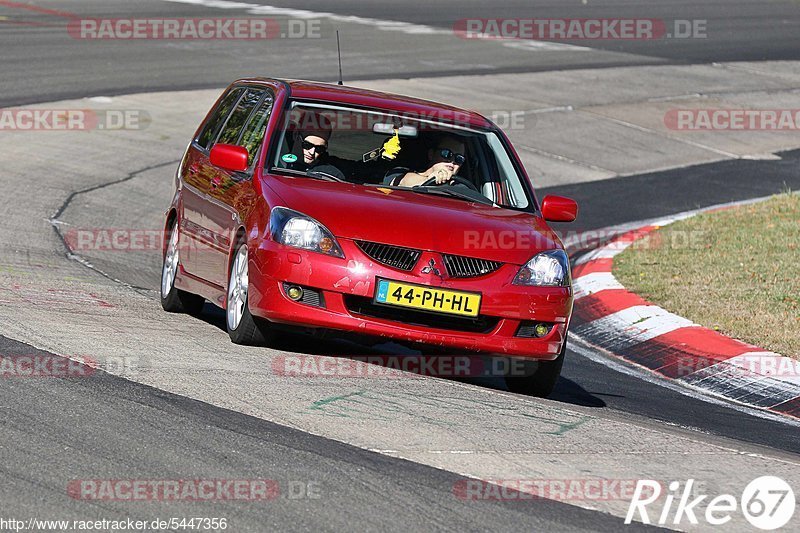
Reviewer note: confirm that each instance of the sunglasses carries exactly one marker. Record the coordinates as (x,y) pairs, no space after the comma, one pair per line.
(449,156)
(319,148)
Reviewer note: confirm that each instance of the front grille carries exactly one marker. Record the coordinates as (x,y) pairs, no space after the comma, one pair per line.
(393,256)
(360,305)
(468,267)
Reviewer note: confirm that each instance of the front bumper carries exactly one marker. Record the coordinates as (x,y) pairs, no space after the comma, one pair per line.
(347,287)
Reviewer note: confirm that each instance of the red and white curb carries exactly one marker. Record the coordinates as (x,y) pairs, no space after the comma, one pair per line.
(622,323)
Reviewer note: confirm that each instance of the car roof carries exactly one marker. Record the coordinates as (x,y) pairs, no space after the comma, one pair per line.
(345,94)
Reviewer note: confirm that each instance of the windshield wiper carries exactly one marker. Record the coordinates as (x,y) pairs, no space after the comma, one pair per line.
(450,192)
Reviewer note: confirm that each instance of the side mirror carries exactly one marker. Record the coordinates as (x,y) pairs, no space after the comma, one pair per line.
(229,157)
(559,209)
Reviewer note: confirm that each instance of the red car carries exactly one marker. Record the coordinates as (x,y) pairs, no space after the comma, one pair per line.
(328,206)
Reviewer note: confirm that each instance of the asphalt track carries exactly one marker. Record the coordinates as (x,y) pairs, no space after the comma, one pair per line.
(64,429)
(57,67)
(165,435)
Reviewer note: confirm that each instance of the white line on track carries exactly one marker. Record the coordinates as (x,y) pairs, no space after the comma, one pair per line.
(381,24)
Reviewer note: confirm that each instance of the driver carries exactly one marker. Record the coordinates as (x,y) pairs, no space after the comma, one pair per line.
(313,132)
(445,161)
(314,145)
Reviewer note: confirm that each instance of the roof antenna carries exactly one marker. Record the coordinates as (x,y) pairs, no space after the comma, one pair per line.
(339,50)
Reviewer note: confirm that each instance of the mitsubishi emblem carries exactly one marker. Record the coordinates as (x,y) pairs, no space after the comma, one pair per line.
(431,268)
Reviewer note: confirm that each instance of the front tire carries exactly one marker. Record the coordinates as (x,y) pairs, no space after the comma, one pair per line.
(174,300)
(243,327)
(543,378)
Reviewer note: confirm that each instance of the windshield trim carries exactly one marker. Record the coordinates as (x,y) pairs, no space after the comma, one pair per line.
(444,191)
(304,174)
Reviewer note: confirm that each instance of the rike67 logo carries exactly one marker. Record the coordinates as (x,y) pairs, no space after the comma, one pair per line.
(767,503)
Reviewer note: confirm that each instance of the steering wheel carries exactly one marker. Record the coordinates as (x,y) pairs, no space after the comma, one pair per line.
(323,175)
(457,179)
(328,172)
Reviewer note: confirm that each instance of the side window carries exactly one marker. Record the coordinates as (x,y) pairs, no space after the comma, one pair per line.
(233,128)
(253,133)
(217,119)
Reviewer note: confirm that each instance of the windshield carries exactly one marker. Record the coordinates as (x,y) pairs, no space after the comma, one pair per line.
(338,143)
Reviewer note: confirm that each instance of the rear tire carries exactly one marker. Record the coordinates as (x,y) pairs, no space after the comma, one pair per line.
(243,327)
(174,300)
(542,380)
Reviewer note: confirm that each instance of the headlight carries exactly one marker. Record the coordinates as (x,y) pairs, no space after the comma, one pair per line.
(547,269)
(301,231)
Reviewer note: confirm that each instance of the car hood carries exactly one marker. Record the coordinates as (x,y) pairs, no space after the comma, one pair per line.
(420,221)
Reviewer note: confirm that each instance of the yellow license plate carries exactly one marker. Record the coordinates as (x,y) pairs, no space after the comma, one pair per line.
(427,298)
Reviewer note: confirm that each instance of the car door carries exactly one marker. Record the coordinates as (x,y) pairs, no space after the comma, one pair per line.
(232,193)
(196,176)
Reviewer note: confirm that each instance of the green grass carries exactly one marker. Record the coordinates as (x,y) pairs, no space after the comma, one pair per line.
(736,271)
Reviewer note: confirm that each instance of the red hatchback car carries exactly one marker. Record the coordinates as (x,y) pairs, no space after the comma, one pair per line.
(328,206)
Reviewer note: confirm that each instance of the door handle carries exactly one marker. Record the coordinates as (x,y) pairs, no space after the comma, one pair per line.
(193,169)
(215,182)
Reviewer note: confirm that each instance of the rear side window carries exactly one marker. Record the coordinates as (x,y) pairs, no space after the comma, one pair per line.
(217,119)
(233,128)
(253,133)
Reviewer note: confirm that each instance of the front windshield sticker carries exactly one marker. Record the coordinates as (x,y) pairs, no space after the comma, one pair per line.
(372,155)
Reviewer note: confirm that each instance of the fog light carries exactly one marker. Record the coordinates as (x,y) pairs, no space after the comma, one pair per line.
(294,292)
(541,330)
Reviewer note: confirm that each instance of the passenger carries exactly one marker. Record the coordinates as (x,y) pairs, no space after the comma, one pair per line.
(445,161)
